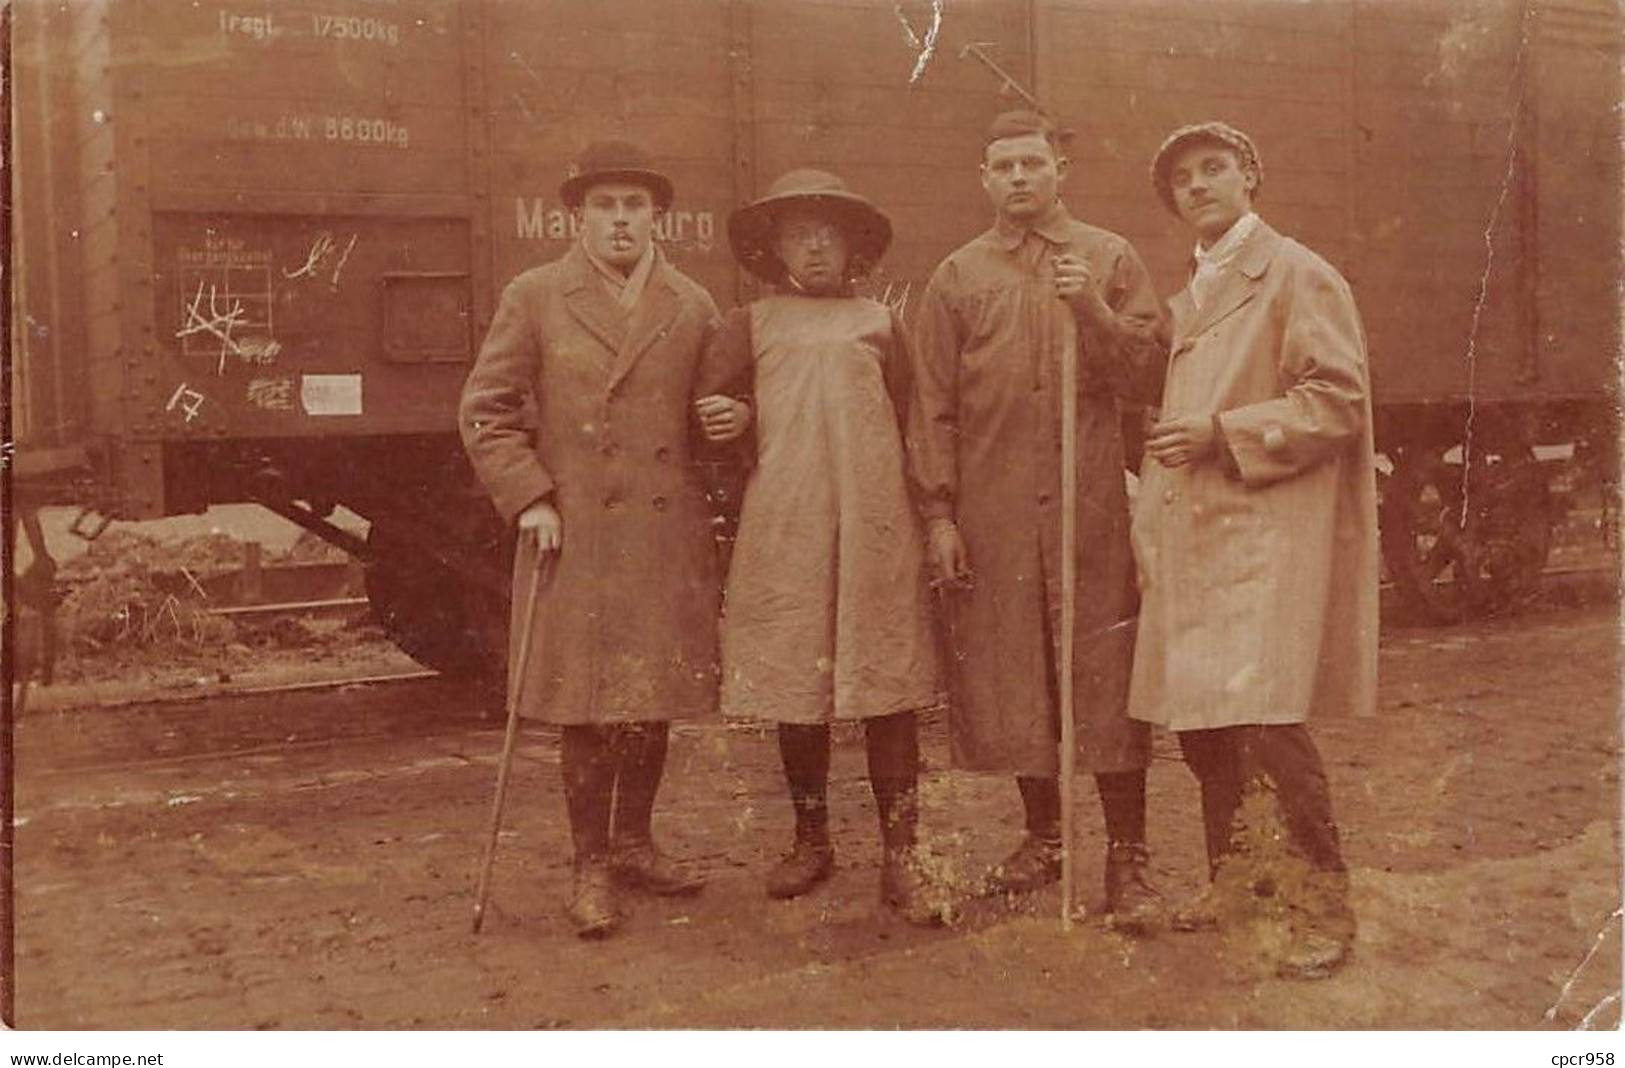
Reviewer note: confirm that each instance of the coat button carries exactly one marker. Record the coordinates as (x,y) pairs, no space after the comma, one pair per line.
(662,452)
(612,502)
(1167,496)
(1043,498)
(659,503)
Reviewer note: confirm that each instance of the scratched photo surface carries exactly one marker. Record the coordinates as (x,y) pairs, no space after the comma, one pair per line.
(259,611)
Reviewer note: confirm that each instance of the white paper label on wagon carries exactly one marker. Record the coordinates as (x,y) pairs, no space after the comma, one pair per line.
(330,394)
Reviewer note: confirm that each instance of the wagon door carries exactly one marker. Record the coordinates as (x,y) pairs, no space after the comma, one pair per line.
(311,174)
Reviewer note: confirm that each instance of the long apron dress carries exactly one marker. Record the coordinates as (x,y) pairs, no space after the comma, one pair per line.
(827,613)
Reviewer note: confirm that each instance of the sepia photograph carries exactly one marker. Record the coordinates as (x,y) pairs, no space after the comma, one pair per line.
(812,515)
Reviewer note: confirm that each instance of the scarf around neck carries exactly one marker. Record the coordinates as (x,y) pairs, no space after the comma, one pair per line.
(1211,262)
(625,289)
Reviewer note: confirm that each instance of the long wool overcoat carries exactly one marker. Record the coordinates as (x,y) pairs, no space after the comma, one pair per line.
(985,450)
(627,622)
(1259,578)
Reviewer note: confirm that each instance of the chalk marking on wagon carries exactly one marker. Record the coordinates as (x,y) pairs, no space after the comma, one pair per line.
(189,400)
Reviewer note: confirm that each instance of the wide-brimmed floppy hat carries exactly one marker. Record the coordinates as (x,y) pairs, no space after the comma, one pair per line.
(614,161)
(750,228)
(1221,133)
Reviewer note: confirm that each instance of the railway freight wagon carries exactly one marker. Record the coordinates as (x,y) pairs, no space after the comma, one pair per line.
(255,246)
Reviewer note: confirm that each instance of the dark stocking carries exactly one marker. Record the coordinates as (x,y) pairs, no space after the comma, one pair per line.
(804,748)
(1122,800)
(640,752)
(1041,798)
(587,759)
(893,744)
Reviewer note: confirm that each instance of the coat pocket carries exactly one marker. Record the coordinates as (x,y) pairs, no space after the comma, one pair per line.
(1227,533)
(983,312)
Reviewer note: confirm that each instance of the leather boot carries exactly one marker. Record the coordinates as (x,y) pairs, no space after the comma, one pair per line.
(1034,863)
(809,862)
(1322,928)
(1200,913)
(640,864)
(592,902)
(1132,903)
(905,888)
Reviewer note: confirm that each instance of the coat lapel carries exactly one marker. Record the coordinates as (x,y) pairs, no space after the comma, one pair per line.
(1183,310)
(591,304)
(1239,284)
(650,320)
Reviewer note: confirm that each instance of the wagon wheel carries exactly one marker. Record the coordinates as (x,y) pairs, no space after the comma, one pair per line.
(432,613)
(1457,546)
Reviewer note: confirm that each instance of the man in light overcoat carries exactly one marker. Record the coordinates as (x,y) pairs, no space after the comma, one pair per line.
(1255,527)
(984,438)
(578,417)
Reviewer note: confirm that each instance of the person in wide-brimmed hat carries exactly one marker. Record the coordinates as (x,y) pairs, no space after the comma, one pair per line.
(605,345)
(828,616)
(753,229)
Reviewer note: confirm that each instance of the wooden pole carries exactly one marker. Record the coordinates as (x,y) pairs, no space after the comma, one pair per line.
(1064,662)
(516,685)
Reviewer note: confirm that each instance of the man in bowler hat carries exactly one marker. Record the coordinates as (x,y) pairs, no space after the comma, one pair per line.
(578,417)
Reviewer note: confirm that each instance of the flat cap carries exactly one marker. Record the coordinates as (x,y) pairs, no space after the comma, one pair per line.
(1216,132)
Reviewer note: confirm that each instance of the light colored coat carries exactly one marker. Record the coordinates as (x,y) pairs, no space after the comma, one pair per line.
(627,624)
(1259,581)
(985,450)
(828,615)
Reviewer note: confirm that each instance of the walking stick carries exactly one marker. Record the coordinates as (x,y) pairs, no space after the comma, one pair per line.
(516,685)
(1069,532)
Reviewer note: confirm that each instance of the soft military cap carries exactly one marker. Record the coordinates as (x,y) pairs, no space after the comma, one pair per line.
(1221,133)
(1023,124)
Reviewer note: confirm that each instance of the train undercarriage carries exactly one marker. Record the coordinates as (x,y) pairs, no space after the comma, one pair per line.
(1470,497)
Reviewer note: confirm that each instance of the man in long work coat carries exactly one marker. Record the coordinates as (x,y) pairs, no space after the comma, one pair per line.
(604,345)
(1255,527)
(984,441)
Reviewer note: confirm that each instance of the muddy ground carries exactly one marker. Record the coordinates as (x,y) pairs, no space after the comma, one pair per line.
(306,860)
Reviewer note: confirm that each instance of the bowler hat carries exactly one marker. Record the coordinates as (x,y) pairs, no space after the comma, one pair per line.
(750,228)
(1220,133)
(614,161)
